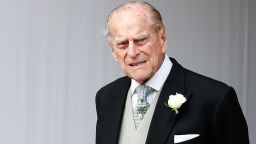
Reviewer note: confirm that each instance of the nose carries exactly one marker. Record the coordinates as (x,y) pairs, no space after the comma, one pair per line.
(132,51)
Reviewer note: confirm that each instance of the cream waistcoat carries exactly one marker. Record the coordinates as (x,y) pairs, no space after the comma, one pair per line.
(128,133)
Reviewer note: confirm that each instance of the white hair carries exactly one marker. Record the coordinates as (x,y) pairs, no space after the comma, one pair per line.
(155,15)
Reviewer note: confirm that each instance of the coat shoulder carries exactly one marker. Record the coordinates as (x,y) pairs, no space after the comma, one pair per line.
(207,90)
(111,88)
(107,93)
(199,81)
(116,84)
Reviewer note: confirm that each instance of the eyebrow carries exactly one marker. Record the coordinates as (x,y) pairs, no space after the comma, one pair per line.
(142,36)
(118,41)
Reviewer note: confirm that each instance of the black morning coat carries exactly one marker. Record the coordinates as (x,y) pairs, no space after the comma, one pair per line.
(211,110)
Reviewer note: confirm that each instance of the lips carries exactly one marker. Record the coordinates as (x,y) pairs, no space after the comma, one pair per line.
(137,63)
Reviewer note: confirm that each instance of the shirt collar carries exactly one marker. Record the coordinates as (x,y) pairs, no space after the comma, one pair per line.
(158,79)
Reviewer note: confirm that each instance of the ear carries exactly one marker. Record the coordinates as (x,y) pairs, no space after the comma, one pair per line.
(163,39)
(164,47)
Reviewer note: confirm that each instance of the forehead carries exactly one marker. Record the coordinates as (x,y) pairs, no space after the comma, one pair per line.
(129,21)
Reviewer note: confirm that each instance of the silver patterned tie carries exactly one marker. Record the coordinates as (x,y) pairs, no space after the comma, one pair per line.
(143,91)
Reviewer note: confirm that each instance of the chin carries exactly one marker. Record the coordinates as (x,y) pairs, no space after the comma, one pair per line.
(141,79)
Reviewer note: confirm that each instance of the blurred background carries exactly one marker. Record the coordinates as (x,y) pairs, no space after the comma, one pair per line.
(54,58)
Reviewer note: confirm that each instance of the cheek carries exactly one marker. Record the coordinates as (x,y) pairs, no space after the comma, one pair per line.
(118,55)
(121,60)
(156,56)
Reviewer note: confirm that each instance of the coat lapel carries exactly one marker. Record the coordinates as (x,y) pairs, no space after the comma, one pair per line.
(115,111)
(164,118)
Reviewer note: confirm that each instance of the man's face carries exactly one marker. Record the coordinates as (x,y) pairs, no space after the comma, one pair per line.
(137,45)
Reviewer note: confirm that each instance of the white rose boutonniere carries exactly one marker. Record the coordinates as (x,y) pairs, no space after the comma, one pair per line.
(175,102)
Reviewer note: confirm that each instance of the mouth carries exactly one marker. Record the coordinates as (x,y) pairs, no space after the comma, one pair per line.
(137,63)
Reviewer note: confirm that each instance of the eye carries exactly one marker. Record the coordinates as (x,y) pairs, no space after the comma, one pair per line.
(122,44)
(141,41)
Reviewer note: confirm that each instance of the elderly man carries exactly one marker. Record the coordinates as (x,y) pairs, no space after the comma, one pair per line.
(159,101)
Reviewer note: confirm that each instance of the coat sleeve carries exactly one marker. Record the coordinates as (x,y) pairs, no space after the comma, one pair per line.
(229,123)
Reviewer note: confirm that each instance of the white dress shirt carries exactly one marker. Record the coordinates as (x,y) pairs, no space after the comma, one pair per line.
(156,82)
